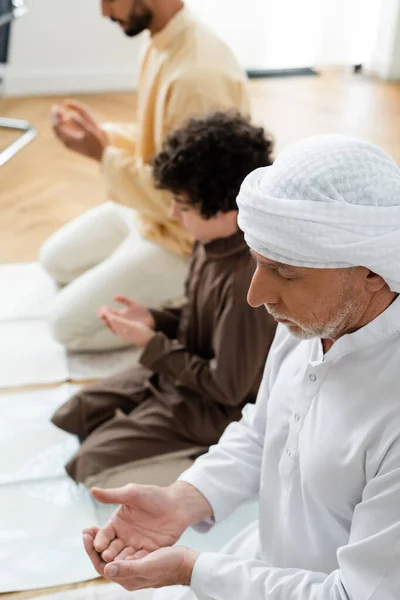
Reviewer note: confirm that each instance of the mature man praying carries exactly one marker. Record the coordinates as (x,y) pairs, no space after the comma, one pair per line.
(321,447)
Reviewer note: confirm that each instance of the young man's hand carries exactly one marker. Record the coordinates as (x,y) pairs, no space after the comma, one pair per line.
(133,332)
(133,323)
(78,129)
(133,311)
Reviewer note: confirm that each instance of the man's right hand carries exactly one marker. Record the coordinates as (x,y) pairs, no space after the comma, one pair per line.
(78,129)
(149,518)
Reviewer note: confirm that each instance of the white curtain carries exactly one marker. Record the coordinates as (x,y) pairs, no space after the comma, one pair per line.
(348,31)
(278,34)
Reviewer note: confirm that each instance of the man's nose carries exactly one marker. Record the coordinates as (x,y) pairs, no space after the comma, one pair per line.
(261,290)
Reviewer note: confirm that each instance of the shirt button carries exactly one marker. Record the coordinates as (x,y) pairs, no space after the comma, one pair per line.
(313,377)
(297,417)
(289,452)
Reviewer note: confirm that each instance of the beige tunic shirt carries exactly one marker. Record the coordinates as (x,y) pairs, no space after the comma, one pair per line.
(186,70)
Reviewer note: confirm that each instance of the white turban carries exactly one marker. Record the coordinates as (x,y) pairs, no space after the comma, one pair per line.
(328,201)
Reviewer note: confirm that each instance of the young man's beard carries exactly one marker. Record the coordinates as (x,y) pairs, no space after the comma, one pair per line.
(138,23)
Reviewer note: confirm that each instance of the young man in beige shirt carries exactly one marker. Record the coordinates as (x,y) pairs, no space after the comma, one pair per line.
(131,245)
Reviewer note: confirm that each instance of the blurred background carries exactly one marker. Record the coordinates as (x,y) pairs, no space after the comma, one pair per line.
(64,46)
(343,57)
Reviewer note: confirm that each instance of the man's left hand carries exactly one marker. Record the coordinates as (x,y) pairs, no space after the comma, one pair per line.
(134,332)
(161,568)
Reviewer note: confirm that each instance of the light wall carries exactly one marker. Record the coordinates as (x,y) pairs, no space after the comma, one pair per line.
(278,34)
(65,46)
(260,32)
(385,60)
(348,31)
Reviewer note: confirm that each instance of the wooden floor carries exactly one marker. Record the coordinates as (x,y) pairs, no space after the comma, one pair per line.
(45,186)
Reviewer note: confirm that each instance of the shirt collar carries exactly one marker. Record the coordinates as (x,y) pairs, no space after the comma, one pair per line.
(163,39)
(223,247)
(384,326)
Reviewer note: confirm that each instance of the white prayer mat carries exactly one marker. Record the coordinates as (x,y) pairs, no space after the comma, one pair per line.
(41,526)
(29,355)
(42,511)
(106,591)
(26,291)
(31,447)
(83,366)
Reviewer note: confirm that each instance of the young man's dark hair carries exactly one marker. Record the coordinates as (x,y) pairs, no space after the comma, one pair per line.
(208,158)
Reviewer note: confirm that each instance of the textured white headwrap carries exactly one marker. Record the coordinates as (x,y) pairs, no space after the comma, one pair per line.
(328,201)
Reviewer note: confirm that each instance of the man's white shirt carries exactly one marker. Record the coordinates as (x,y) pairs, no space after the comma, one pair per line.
(321,449)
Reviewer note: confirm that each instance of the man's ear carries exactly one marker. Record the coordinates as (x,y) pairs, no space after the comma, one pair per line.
(374,282)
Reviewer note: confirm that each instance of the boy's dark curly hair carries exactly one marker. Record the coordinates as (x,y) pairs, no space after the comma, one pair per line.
(208,158)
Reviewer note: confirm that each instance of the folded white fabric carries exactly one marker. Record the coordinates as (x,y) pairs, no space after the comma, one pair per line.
(328,201)
(29,355)
(31,447)
(104,591)
(83,366)
(26,291)
(41,526)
